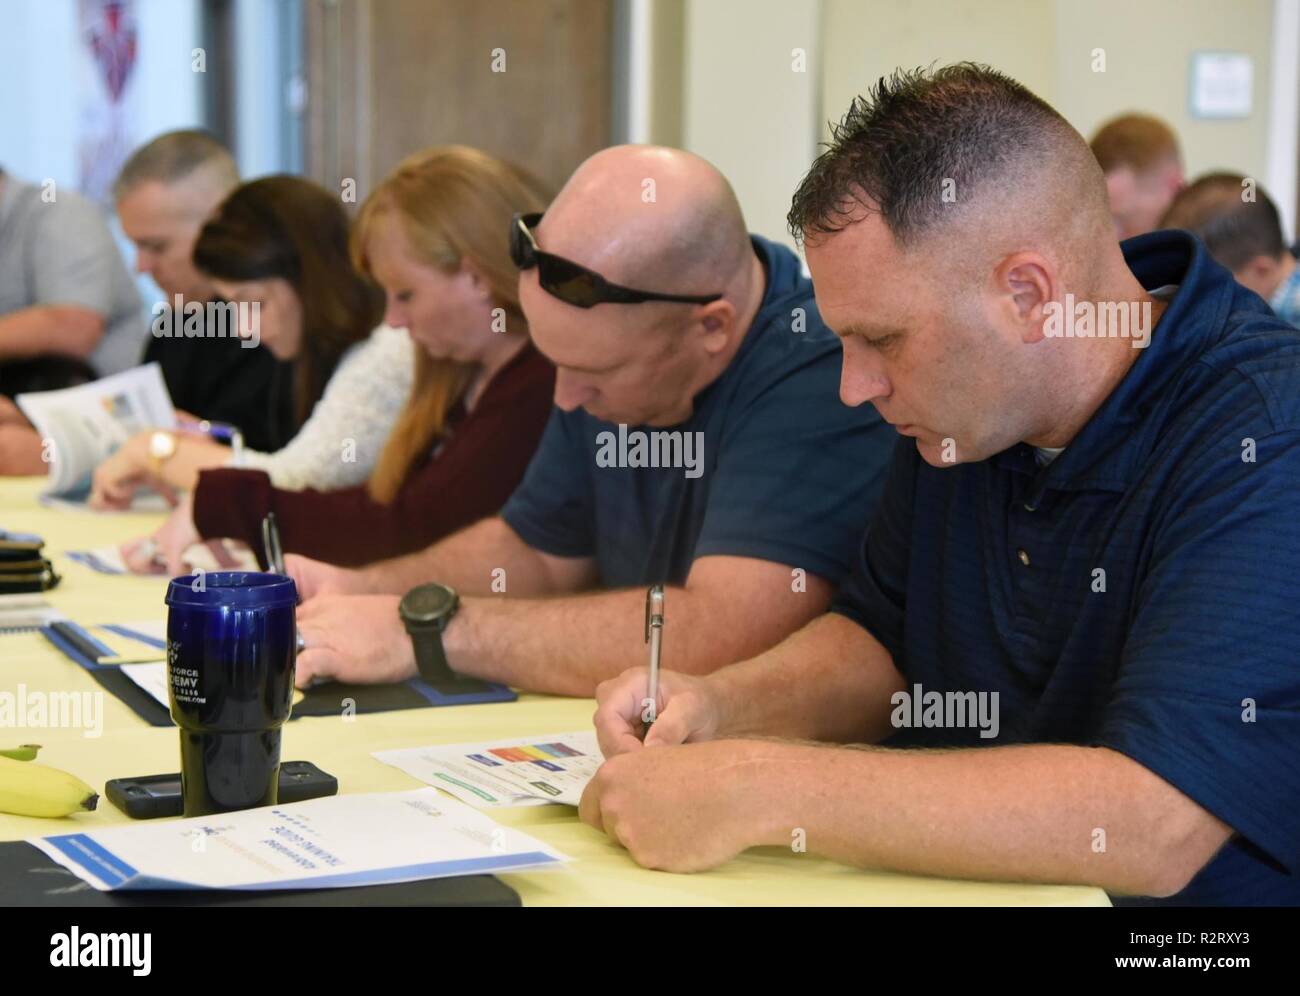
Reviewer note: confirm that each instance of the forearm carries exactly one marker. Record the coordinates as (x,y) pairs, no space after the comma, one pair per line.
(831,681)
(66,330)
(470,561)
(21,451)
(567,646)
(193,455)
(1036,813)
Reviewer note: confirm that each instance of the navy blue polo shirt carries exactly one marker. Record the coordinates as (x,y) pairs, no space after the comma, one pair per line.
(786,472)
(1142,591)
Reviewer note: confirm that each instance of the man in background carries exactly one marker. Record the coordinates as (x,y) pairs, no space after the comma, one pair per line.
(68,309)
(1144,170)
(1240,226)
(165,192)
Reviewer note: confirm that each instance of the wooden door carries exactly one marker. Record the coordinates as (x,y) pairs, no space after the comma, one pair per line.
(528,80)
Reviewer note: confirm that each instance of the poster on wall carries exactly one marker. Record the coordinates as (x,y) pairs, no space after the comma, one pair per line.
(108,50)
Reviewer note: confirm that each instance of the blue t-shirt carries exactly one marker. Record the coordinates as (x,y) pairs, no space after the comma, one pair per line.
(1141,592)
(787,472)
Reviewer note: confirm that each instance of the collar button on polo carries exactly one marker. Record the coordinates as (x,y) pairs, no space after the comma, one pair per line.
(1024,557)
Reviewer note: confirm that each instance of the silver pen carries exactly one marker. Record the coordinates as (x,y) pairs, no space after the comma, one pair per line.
(654,630)
(271,544)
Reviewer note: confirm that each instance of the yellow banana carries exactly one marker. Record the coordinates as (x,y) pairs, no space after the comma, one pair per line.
(30,789)
(23,752)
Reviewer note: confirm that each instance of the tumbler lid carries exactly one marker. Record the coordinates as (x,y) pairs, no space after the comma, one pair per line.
(233,589)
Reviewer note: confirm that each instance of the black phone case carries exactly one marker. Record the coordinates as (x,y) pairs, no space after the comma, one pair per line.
(150,797)
(22,568)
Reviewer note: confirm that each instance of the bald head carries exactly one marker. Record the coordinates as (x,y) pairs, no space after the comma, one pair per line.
(653,218)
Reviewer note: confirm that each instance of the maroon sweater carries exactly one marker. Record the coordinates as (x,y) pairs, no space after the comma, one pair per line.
(480,463)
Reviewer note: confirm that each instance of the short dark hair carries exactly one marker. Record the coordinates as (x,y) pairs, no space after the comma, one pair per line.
(913,131)
(1234,229)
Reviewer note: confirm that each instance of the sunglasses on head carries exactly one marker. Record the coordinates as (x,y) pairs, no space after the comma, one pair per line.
(574,284)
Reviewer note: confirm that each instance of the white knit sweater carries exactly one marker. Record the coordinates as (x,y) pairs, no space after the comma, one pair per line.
(339,444)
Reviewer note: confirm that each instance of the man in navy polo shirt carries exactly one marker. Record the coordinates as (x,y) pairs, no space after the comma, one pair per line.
(1081,582)
(697,442)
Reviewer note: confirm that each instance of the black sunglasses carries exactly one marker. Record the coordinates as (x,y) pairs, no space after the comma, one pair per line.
(574,284)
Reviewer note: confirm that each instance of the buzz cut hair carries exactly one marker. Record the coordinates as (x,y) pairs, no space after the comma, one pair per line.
(918,132)
(174,156)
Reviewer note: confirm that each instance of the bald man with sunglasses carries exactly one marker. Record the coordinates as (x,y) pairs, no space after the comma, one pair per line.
(697,441)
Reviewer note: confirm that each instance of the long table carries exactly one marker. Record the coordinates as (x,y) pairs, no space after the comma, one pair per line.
(601,872)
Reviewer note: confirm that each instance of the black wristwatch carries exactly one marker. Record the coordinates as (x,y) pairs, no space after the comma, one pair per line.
(426,611)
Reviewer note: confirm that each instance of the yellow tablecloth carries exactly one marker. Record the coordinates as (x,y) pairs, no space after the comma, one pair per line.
(601,873)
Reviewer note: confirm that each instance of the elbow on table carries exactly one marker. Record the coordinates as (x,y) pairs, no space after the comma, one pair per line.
(1183,854)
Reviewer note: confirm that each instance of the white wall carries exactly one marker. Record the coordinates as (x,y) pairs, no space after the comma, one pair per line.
(259,97)
(742,107)
(746,108)
(1148,50)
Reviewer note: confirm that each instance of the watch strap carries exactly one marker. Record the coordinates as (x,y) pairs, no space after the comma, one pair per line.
(431,656)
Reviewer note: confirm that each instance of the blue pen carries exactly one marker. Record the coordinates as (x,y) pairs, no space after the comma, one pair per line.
(221,431)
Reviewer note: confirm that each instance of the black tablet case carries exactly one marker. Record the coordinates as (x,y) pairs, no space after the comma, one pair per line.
(319,700)
(29,878)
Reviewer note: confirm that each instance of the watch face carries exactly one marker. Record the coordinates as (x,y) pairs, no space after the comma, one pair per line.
(428,602)
(162,445)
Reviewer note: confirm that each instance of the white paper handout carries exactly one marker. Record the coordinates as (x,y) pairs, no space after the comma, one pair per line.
(344,840)
(85,424)
(150,677)
(529,771)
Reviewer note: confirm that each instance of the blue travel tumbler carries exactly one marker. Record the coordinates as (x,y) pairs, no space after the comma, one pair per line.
(231,645)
